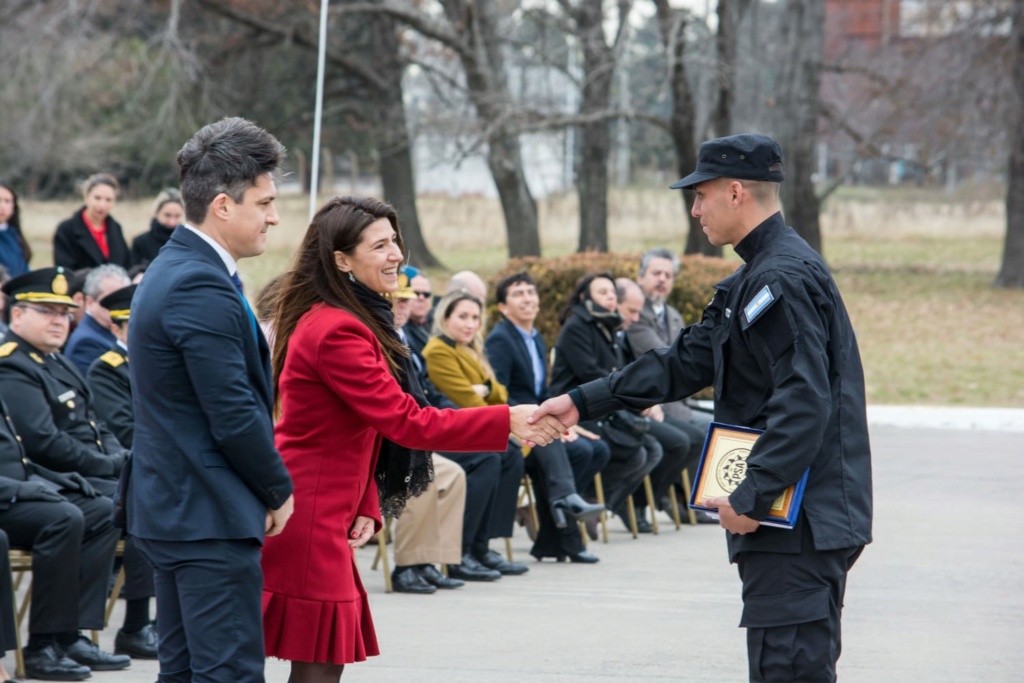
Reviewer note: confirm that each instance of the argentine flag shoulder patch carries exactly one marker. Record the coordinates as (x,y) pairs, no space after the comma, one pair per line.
(758,304)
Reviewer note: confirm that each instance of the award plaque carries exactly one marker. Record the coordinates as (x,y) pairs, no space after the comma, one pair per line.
(723,465)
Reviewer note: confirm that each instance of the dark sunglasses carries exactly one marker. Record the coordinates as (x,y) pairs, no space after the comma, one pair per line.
(421,295)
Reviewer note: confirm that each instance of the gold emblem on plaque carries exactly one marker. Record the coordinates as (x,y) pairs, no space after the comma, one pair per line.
(732,468)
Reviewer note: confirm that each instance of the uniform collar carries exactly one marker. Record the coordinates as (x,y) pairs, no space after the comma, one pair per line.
(758,238)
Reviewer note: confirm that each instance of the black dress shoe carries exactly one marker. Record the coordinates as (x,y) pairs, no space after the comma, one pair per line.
(576,507)
(138,645)
(84,651)
(471,570)
(493,560)
(408,580)
(431,575)
(50,664)
(584,557)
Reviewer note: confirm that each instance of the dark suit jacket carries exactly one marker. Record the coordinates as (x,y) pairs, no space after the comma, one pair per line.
(88,342)
(204,462)
(74,246)
(510,358)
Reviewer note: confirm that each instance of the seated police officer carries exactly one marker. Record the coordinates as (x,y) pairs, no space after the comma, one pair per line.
(51,407)
(59,516)
(108,375)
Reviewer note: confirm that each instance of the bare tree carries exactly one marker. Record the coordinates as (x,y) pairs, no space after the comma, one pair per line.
(730,13)
(797,113)
(1011,272)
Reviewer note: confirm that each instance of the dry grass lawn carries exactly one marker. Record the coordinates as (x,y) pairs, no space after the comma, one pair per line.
(915,270)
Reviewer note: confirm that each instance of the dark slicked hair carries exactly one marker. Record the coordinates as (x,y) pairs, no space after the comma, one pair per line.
(501,291)
(227,156)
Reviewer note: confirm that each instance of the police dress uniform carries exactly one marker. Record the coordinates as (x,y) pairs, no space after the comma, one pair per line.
(108,376)
(779,349)
(51,407)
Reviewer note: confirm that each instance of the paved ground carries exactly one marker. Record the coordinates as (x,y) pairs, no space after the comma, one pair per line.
(937,598)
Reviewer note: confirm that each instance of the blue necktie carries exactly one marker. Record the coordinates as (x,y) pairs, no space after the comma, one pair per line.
(245,302)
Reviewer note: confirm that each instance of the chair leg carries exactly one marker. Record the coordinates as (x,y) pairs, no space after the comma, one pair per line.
(583,533)
(649,493)
(19,659)
(688,492)
(508,548)
(528,485)
(382,554)
(599,490)
(631,513)
(114,593)
(673,501)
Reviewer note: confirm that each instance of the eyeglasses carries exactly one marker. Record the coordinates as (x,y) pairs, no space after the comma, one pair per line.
(49,312)
(422,295)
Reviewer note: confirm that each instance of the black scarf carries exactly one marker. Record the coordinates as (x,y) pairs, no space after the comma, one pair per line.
(402,473)
(160,232)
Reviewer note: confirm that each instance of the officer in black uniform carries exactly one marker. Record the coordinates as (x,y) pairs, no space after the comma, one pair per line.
(51,407)
(60,517)
(778,347)
(108,375)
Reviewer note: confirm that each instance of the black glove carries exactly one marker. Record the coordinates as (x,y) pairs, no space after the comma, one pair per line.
(81,484)
(37,491)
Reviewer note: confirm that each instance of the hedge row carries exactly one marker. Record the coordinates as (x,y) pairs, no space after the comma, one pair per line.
(557,277)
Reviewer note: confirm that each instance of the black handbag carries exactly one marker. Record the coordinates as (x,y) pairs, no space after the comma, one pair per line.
(624,428)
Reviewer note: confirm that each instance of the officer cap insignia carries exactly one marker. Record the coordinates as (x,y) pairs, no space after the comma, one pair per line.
(59,284)
(112,358)
(7,349)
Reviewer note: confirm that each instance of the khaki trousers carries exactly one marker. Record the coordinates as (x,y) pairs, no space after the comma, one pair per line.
(430,528)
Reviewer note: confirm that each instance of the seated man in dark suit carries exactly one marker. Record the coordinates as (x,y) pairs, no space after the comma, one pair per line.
(51,406)
(56,515)
(108,375)
(518,355)
(92,337)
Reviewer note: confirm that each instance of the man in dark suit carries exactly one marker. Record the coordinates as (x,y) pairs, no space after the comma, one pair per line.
(207,482)
(92,336)
(518,354)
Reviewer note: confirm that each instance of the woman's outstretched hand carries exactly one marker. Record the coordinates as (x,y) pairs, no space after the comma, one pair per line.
(537,433)
(561,408)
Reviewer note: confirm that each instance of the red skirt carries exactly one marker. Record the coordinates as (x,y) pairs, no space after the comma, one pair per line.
(302,630)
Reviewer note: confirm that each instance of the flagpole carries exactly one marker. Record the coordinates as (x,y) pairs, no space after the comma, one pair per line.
(314,177)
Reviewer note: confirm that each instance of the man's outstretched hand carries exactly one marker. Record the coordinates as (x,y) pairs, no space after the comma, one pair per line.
(560,407)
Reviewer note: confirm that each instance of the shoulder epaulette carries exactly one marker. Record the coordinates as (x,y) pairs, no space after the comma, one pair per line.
(112,358)
(7,349)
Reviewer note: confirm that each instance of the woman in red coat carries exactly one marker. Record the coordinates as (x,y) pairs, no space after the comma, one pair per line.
(342,377)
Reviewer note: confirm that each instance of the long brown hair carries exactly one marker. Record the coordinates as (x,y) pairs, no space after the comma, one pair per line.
(315,278)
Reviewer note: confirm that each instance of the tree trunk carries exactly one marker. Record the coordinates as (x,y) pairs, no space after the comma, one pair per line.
(487,82)
(392,143)
(672,27)
(1011,273)
(595,137)
(797,125)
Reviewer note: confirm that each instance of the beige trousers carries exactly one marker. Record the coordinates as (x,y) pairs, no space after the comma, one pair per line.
(430,528)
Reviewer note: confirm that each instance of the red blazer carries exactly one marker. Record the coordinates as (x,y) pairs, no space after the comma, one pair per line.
(338,399)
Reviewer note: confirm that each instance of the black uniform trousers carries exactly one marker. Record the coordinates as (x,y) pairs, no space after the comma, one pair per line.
(8,636)
(138,573)
(211,612)
(72,546)
(792,609)
(483,474)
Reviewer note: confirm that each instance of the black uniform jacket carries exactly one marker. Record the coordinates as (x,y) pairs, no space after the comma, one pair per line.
(110,383)
(777,346)
(75,248)
(51,407)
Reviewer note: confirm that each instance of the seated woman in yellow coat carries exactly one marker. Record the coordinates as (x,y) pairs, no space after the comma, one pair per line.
(458,368)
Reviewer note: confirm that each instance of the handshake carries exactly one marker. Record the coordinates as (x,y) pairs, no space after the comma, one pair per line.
(540,425)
